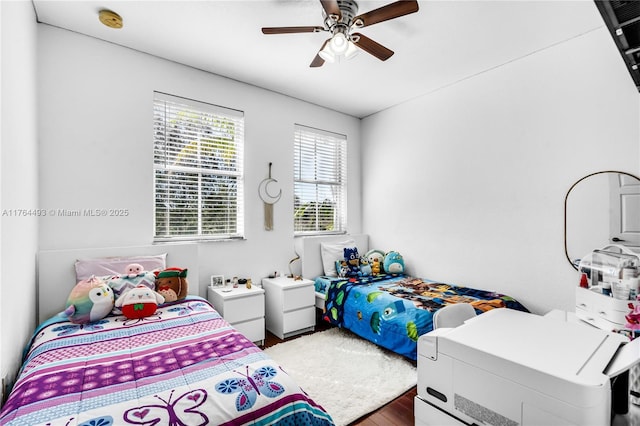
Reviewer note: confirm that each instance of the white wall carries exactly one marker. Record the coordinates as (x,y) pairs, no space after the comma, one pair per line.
(96,150)
(18,177)
(475,195)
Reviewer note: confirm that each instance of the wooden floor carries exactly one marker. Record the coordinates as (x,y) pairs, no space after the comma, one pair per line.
(398,412)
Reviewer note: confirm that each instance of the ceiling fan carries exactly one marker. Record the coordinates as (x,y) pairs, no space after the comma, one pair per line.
(341,19)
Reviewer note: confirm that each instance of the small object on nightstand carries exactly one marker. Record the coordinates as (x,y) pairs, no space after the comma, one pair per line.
(217,281)
(227,288)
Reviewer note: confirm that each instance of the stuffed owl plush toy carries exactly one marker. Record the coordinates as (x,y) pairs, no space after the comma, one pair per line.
(139,302)
(89,301)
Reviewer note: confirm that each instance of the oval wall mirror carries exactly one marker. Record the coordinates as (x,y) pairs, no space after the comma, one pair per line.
(600,209)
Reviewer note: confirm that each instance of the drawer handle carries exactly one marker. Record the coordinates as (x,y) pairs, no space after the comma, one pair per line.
(583,305)
(602,313)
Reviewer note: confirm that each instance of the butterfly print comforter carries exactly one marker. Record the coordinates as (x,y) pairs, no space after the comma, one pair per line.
(393,311)
(183,366)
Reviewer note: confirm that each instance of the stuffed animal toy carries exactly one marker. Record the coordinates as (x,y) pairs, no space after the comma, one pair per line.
(353,261)
(376,267)
(139,302)
(172,284)
(90,300)
(633,317)
(133,270)
(341,268)
(393,263)
(365,268)
(378,255)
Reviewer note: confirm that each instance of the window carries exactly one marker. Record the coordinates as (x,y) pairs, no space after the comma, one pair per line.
(320,181)
(198,167)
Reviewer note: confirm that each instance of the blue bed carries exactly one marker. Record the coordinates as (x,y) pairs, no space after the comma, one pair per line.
(394,310)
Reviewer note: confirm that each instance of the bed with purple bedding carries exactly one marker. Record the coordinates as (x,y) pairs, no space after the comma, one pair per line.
(184,365)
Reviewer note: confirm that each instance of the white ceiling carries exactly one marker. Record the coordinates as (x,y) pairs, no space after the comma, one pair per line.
(444,42)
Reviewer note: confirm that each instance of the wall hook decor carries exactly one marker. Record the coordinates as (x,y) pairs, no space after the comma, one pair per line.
(268,199)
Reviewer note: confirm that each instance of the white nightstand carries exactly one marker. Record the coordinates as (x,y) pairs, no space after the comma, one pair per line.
(243,308)
(290,306)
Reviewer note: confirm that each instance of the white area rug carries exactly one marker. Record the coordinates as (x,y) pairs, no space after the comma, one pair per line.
(347,375)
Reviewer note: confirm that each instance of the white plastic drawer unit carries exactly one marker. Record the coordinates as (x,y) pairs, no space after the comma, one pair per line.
(601,310)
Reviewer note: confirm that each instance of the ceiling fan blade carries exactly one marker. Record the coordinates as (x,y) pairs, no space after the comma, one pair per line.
(318,61)
(331,7)
(384,13)
(372,47)
(291,30)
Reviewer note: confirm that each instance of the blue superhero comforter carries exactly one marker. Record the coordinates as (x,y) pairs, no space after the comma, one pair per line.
(394,310)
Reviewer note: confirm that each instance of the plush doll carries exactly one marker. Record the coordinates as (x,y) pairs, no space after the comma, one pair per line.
(89,301)
(393,263)
(133,270)
(172,284)
(139,302)
(353,261)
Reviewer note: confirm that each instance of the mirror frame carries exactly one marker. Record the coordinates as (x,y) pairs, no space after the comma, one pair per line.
(566,197)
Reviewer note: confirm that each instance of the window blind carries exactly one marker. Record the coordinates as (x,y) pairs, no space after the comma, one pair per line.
(320,181)
(198,169)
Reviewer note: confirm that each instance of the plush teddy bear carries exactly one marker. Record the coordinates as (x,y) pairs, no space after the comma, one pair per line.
(139,302)
(90,300)
(172,284)
(393,263)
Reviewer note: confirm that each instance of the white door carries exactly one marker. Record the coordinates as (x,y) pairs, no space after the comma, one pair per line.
(625,209)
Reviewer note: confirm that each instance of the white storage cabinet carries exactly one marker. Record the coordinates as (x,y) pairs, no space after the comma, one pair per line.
(243,308)
(290,306)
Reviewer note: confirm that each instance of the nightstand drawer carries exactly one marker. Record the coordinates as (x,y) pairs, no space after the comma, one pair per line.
(243,308)
(253,329)
(298,297)
(299,319)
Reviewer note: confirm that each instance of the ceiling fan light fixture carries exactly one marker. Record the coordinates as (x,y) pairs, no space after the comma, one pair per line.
(327,54)
(339,43)
(352,50)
